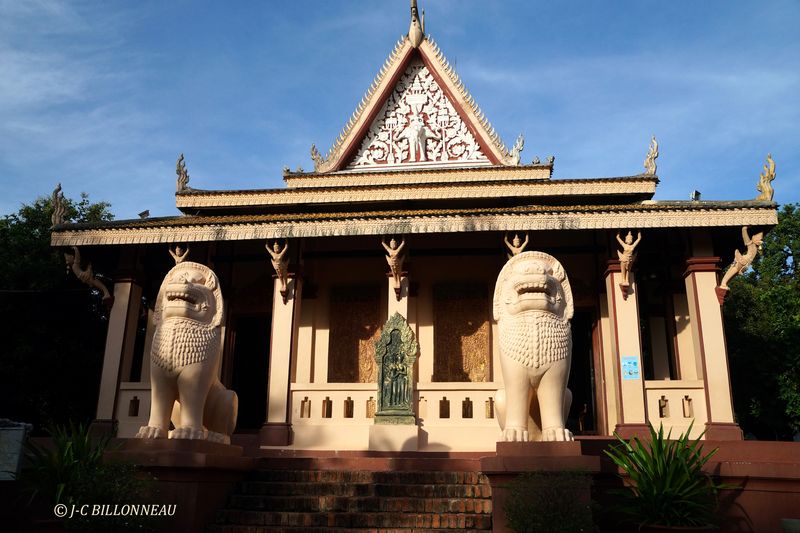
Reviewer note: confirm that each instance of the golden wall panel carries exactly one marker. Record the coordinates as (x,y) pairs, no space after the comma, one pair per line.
(354,326)
(461,329)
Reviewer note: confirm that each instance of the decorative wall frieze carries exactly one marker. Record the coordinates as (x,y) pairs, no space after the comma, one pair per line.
(528,188)
(442,223)
(332,158)
(417,124)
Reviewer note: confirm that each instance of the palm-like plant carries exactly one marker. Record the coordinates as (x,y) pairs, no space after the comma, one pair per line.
(666,483)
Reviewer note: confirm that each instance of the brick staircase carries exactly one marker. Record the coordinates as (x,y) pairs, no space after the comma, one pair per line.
(357,500)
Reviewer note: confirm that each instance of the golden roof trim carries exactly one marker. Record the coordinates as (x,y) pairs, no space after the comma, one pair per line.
(426,191)
(530,218)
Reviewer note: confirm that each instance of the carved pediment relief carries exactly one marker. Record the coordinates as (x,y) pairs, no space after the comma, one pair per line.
(418,126)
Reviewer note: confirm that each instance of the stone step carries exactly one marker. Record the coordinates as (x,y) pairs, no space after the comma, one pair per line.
(360,504)
(266,529)
(431,490)
(459,521)
(364,476)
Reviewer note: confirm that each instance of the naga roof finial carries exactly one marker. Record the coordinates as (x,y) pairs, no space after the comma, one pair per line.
(415,31)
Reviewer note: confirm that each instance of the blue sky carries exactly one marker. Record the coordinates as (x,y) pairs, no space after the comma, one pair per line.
(103,96)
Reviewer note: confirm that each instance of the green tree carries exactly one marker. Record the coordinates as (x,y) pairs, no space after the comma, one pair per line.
(51,360)
(762,316)
(29,262)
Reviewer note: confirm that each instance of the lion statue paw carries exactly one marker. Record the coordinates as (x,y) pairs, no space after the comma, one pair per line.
(150,432)
(188,433)
(557,435)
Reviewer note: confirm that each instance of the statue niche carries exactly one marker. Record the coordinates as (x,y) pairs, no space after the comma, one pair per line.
(533,307)
(395,354)
(185,359)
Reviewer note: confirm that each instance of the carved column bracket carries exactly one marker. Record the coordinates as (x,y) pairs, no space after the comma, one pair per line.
(396,257)
(280,262)
(627,258)
(741,262)
(86,275)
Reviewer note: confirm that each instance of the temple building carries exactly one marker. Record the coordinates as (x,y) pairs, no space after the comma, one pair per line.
(414,210)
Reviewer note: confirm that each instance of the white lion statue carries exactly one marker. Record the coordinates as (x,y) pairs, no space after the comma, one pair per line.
(533,307)
(185,360)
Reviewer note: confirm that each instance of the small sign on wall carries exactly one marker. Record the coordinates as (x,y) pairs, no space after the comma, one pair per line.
(630,367)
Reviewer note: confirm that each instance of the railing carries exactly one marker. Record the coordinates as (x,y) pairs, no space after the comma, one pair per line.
(675,404)
(451,416)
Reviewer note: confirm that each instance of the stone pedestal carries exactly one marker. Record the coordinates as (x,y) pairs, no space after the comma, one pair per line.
(195,475)
(515,458)
(394,438)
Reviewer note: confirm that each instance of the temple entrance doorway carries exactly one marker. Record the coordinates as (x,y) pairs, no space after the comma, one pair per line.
(250,338)
(582,419)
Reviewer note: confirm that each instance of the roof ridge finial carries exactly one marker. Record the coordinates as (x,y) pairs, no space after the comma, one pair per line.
(415,32)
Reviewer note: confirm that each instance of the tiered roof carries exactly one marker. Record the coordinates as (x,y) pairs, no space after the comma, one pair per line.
(417,156)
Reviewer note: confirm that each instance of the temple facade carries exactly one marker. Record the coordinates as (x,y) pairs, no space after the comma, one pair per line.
(414,211)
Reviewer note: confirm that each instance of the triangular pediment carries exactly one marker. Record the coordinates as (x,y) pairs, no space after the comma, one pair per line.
(418,125)
(416,114)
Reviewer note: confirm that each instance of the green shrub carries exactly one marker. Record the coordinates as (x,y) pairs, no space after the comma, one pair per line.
(666,484)
(72,472)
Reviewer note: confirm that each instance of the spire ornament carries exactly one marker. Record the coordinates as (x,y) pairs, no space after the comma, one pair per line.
(650,160)
(516,150)
(415,32)
(182,183)
(59,207)
(765,181)
(316,157)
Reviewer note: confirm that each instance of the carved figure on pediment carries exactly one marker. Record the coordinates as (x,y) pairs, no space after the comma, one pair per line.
(740,261)
(417,123)
(185,359)
(395,354)
(280,262)
(627,257)
(533,307)
(178,252)
(395,259)
(515,245)
(86,274)
(417,134)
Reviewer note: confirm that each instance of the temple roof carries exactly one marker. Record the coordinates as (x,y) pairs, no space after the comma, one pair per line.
(418,156)
(194,228)
(602,190)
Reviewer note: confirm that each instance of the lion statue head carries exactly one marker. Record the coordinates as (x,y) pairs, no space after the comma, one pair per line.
(533,306)
(189,310)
